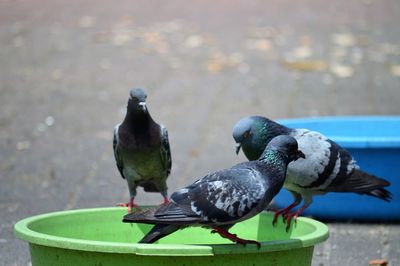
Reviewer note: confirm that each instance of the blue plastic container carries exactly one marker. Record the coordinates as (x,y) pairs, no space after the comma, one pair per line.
(374,142)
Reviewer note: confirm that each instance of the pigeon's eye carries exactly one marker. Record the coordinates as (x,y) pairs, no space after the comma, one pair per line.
(246,134)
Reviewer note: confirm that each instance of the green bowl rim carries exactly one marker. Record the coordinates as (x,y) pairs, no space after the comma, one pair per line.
(22,231)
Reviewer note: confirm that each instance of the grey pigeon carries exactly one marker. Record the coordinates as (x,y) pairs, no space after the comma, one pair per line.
(223,198)
(326,168)
(141,149)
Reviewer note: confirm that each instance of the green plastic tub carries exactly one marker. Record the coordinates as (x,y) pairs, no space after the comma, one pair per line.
(98,237)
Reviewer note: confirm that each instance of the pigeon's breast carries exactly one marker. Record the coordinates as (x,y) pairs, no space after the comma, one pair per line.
(144,165)
(321,164)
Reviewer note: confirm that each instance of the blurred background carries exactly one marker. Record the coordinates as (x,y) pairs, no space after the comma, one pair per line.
(66,68)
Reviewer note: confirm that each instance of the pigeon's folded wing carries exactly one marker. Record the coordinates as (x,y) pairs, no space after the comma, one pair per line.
(165,150)
(117,155)
(225,195)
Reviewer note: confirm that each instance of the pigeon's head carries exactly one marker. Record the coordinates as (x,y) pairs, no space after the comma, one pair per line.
(252,134)
(286,145)
(242,132)
(137,99)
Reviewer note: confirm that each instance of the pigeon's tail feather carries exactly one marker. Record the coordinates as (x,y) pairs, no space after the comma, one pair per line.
(379,193)
(159,231)
(164,214)
(363,183)
(145,216)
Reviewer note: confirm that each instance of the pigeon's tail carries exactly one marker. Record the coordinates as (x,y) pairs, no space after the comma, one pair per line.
(159,231)
(145,216)
(380,193)
(363,183)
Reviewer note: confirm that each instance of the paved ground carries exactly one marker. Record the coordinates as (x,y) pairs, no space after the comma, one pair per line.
(66,67)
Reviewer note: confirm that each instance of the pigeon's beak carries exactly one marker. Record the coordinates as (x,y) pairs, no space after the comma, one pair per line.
(238,146)
(300,154)
(143,105)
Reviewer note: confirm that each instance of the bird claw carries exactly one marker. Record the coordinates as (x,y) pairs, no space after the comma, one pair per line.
(234,238)
(130,206)
(289,218)
(244,242)
(284,213)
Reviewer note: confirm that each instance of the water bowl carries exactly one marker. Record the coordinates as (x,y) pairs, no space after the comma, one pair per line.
(98,237)
(374,142)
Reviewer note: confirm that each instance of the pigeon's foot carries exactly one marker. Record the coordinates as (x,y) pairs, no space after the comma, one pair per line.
(233,237)
(285,212)
(131,204)
(166,200)
(293,216)
(288,218)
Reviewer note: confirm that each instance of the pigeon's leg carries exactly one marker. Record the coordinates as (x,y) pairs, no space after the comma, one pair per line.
(290,217)
(286,211)
(165,197)
(225,234)
(131,204)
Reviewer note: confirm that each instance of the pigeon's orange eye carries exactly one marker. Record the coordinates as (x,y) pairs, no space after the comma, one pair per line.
(246,134)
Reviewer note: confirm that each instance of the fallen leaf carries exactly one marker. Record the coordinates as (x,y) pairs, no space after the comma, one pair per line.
(214,67)
(395,70)
(261,44)
(121,37)
(344,39)
(379,262)
(342,71)
(302,52)
(234,59)
(194,41)
(306,65)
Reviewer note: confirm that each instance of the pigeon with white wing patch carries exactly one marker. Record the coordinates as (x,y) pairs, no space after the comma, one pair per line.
(326,168)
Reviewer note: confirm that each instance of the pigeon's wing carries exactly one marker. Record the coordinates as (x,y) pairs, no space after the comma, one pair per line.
(349,178)
(224,196)
(165,150)
(117,154)
(221,197)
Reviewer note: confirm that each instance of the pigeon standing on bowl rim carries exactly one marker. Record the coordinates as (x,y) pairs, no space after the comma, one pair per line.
(141,149)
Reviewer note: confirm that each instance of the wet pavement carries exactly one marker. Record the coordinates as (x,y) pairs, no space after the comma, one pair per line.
(66,69)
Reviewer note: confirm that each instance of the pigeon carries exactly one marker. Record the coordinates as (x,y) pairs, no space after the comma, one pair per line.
(141,150)
(327,167)
(223,198)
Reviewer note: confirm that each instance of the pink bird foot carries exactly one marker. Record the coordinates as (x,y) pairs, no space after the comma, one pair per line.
(233,237)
